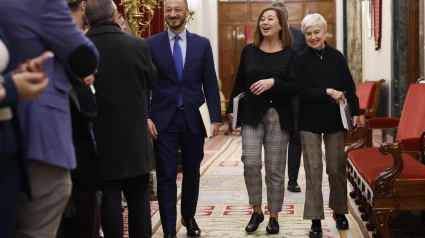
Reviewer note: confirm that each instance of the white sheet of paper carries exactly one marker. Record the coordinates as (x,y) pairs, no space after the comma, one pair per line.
(235,109)
(343,116)
(92,89)
(205,114)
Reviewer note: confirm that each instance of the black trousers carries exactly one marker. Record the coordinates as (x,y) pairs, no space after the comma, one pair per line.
(10,187)
(166,157)
(85,222)
(136,192)
(294,149)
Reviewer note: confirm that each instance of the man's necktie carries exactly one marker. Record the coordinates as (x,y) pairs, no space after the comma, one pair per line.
(178,61)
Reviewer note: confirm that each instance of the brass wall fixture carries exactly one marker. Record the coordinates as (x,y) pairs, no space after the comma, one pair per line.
(134,11)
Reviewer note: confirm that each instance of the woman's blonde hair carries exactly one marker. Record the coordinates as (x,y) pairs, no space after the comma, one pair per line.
(284,35)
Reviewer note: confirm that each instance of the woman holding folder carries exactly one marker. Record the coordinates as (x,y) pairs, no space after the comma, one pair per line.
(324,80)
(267,79)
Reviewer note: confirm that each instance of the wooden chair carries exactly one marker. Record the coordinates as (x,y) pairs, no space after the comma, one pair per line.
(390,178)
(368,93)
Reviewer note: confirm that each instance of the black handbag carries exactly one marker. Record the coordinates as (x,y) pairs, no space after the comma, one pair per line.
(421,147)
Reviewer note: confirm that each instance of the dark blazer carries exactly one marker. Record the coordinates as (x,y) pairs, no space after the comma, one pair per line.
(197,75)
(299,39)
(121,130)
(10,133)
(83,111)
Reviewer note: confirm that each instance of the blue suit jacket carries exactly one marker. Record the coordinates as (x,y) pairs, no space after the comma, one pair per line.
(32,28)
(299,39)
(198,73)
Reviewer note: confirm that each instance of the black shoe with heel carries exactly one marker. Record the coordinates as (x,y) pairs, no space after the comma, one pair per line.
(316,229)
(171,234)
(341,221)
(273,226)
(293,186)
(191,227)
(255,221)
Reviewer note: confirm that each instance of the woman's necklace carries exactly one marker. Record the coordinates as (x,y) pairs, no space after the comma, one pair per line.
(321,56)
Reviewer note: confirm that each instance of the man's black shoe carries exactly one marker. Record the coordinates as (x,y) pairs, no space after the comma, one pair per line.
(293,186)
(341,221)
(171,234)
(191,227)
(315,230)
(273,226)
(255,221)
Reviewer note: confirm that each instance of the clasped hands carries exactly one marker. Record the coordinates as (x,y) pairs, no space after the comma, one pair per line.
(30,80)
(261,86)
(258,88)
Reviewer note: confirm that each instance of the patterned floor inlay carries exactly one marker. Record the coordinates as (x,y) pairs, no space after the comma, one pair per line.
(223,209)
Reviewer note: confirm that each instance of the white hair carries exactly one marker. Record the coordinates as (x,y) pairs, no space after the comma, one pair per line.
(314,19)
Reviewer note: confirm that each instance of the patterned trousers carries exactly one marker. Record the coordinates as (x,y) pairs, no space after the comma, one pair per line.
(335,168)
(275,141)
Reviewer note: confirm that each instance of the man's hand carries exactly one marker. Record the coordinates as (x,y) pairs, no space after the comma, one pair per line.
(29,85)
(230,116)
(2,91)
(34,65)
(355,120)
(89,80)
(152,129)
(214,130)
(261,86)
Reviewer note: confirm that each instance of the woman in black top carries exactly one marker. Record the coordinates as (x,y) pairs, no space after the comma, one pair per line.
(324,81)
(267,78)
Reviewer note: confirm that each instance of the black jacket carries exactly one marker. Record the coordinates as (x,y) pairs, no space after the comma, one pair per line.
(83,110)
(256,65)
(124,74)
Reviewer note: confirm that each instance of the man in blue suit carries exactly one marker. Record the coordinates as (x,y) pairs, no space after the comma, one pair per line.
(294,149)
(185,73)
(32,28)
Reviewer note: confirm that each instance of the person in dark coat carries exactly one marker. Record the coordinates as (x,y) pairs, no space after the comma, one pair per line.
(294,146)
(82,215)
(121,130)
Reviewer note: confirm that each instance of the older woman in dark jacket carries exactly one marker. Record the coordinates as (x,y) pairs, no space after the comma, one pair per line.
(324,81)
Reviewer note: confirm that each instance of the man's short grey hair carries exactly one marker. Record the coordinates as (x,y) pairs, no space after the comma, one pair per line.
(98,11)
(314,19)
(282,6)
